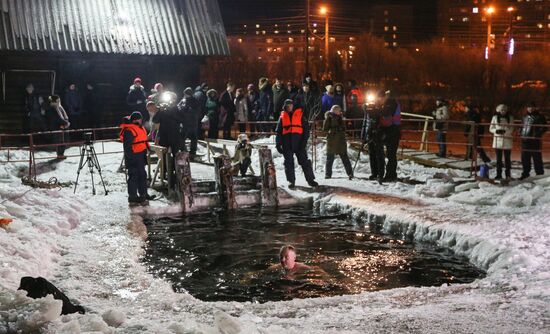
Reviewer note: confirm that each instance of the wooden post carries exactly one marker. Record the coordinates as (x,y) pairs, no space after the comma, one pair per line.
(184,181)
(269,178)
(224,181)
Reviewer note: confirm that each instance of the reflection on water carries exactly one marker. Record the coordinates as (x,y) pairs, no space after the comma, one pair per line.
(220,256)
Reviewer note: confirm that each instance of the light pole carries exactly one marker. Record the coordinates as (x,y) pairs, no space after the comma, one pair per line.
(307,37)
(489,11)
(511,44)
(324,11)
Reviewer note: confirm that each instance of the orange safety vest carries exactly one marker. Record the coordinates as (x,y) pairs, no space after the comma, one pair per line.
(140,143)
(294,124)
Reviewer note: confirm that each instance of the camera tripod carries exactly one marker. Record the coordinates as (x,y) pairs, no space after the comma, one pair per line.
(87,150)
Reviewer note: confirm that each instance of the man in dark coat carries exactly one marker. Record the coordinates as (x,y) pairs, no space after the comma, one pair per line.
(373,138)
(390,124)
(266,104)
(136,99)
(280,95)
(253,101)
(309,102)
(200,96)
(73,105)
(134,139)
(473,115)
(92,106)
(33,120)
(292,136)
(313,86)
(228,109)
(534,127)
(335,129)
(169,119)
(190,111)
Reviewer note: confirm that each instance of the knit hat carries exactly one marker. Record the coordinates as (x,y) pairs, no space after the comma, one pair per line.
(287,103)
(135,116)
(329,88)
(137,80)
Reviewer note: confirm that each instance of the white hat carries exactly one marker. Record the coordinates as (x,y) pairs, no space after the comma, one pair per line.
(502,108)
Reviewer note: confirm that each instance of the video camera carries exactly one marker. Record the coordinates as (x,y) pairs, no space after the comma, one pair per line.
(166,101)
(88,138)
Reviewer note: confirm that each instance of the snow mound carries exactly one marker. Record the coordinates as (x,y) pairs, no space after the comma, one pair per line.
(21,314)
(114,318)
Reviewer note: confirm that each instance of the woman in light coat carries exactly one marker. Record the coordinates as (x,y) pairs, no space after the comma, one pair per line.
(502,130)
(241,105)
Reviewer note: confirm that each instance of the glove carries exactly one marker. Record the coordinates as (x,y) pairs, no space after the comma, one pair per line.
(500,132)
(280,148)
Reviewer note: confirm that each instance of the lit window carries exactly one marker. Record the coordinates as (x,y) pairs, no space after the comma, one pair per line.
(240,40)
(314,31)
(386,28)
(279,49)
(465,19)
(314,25)
(352,48)
(263,32)
(257,25)
(540,25)
(291,40)
(352,39)
(519,17)
(289,32)
(527,35)
(257,32)
(269,49)
(276,31)
(244,26)
(386,44)
(475,10)
(332,39)
(385,12)
(451,19)
(394,28)
(303,31)
(269,40)
(291,49)
(394,44)
(394,36)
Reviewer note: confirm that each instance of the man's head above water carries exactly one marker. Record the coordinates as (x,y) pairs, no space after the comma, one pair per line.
(287,257)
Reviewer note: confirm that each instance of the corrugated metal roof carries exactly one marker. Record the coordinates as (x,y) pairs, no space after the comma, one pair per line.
(144,27)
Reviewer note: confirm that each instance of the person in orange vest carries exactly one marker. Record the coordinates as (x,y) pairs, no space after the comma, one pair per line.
(292,135)
(134,138)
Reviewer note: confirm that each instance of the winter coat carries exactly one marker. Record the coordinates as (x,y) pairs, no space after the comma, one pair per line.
(292,142)
(309,102)
(190,114)
(56,117)
(31,105)
(253,103)
(313,86)
(334,127)
(73,102)
(227,102)
(534,118)
(266,104)
(279,97)
(502,130)
(340,100)
(293,94)
(327,102)
(169,127)
(441,115)
(241,106)
(212,107)
(136,99)
(200,96)
(473,116)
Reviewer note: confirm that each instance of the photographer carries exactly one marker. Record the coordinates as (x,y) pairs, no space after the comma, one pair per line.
(243,152)
(134,139)
(373,139)
(534,127)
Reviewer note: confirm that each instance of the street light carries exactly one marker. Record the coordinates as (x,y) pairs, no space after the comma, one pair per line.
(511,44)
(490,11)
(324,11)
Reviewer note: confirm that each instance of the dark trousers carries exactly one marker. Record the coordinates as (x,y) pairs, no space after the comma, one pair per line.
(243,166)
(242,127)
(345,161)
(531,149)
(480,151)
(507,162)
(58,139)
(192,136)
(303,161)
(391,142)
(227,128)
(137,175)
(442,140)
(376,158)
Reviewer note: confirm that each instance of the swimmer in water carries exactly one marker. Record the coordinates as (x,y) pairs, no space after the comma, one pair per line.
(288,264)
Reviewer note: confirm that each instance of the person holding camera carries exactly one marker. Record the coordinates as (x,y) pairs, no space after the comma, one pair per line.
(441,125)
(190,110)
(291,139)
(335,129)
(534,127)
(502,130)
(134,138)
(57,119)
(243,154)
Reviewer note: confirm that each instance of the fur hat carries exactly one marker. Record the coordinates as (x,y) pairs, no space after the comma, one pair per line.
(188,91)
(335,108)
(212,91)
(329,88)
(502,108)
(263,82)
(158,87)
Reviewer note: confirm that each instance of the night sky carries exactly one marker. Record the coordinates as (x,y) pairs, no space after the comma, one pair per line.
(348,15)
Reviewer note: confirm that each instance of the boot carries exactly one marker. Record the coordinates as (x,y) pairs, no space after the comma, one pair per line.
(291,185)
(313,183)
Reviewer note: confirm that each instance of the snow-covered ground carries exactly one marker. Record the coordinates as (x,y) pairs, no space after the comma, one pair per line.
(90,247)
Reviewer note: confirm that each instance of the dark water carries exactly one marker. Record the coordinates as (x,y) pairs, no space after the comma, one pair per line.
(218,256)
